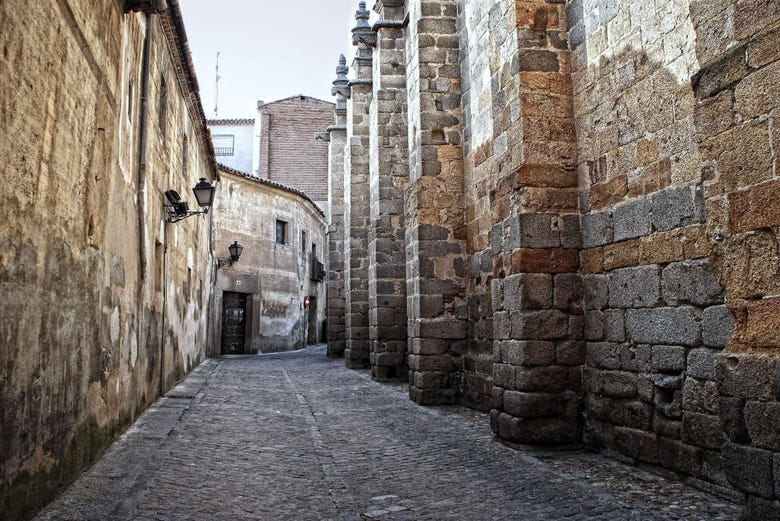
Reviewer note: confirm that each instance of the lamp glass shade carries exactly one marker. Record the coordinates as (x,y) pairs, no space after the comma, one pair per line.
(235,250)
(204,193)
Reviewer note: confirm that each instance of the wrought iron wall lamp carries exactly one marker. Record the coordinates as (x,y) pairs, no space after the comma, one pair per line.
(235,250)
(177,210)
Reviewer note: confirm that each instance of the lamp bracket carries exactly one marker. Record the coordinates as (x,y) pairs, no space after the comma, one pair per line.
(172,216)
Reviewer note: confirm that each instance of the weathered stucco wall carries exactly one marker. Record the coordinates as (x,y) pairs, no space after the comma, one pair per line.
(243,133)
(246,210)
(85,278)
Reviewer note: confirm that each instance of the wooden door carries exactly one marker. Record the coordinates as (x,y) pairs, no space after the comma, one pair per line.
(233,322)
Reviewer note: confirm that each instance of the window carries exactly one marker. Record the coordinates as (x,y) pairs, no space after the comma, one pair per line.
(303,243)
(224,144)
(130,97)
(162,107)
(281,232)
(185,145)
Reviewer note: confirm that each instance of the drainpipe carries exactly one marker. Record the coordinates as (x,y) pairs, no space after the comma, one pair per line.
(141,174)
(164,308)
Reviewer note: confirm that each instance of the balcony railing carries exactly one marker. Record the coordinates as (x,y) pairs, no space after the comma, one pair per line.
(317,270)
(223,151)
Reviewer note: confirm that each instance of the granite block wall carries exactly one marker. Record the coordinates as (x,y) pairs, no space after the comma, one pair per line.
(590,228)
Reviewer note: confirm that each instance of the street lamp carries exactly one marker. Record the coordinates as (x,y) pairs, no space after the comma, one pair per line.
(177,210)
(235,250)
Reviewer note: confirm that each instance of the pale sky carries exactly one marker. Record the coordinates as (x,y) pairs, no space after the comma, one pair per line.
(269,49)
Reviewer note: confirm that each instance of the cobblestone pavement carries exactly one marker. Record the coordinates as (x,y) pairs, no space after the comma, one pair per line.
(296,436)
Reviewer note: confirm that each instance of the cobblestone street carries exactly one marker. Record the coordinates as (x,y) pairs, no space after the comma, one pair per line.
(297,436)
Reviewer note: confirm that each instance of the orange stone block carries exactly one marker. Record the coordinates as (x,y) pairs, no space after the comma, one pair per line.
(593,260)
(450,153)
(609,192)
(755,208)
(622,255)
(655,177)
(550,260)
(762,329)
(537,16)
(545,176)
(549,199)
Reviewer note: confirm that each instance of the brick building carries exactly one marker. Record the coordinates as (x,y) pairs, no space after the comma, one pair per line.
(279,144)
(564,213)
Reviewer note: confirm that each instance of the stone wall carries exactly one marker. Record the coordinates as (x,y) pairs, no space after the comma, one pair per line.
(736,133)
(104,304)
(590,234)
(276,278)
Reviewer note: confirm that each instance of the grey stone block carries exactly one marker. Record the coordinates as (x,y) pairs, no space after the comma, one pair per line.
(533,405)
(763,423)
(717,326)
(536,231)
(595,291)
(668,358)
(546,324)
(632,219)
(603,355)
(701,363)
(571,237)
(749,469)
(690,282)
(596,229)
(544,379)
(700,396)
(634,287)
(663,326)
(732,419)
(497,239)
(673,208)
(567,290)
(614,326)
(702,430)
(745,375)
(615,384)
(635,358)
(762,510)
(528,353)
(594,325)
(528,291)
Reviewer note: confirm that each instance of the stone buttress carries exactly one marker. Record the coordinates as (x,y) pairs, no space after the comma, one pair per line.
(388,178)
(435,235)
(335,283)
(356,198)
(537,291)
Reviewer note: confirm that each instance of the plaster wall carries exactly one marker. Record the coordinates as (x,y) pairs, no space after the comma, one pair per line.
(243,142)
(85,277)
(278,276)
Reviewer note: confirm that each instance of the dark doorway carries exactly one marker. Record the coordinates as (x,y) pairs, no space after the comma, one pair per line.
(233,322)
(312,336)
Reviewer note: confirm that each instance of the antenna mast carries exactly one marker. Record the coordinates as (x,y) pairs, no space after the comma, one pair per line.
(216,90)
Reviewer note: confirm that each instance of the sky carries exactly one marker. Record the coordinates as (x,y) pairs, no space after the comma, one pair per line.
(269,49)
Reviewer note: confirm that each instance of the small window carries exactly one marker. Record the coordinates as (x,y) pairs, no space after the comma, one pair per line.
(303,243)
(224,144)
(281,232)
(162,108)
(130,97)
(185,153)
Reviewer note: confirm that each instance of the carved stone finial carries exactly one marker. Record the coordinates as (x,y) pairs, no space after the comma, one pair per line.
(362,32)
(341,83)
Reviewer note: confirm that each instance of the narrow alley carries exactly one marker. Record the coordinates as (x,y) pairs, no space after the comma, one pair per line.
(297,436)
